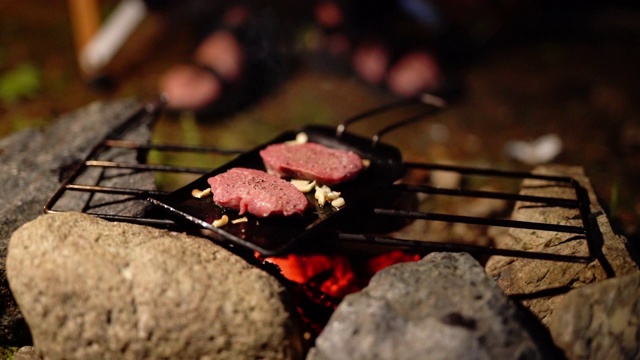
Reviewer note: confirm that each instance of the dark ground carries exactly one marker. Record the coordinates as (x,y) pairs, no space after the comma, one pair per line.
(569,69)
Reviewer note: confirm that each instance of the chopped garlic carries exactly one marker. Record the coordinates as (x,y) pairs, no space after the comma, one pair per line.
(332,195)
(338,203)
(366,163)
(303,185)
(221,222)
(301,138)
(200,193)
(319,195)
(324,193)
(239,220)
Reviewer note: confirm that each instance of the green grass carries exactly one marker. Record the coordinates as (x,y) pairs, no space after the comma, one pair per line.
(21,82)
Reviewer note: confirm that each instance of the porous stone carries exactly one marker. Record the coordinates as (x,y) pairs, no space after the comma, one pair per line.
(92,289)
(442,307)
(535,280)
(26,353)
(600,321)
(32,165)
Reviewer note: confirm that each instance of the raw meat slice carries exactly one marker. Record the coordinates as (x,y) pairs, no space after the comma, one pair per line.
(256,192)
(311,161)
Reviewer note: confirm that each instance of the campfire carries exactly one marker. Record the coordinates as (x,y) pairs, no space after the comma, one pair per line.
(324,267)
(336,275)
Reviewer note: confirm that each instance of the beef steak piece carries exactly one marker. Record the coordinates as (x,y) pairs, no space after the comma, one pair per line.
(311,161)
(256,192)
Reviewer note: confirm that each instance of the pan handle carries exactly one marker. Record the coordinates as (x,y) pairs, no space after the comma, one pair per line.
(434,102)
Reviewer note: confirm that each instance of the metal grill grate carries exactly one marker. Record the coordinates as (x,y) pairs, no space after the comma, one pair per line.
(588,229)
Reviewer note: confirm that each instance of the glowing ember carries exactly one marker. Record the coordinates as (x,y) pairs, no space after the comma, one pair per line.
(336,275)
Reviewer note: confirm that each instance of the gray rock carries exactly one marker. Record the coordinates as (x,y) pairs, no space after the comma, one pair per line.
(26,353)
(530,276)
(112,204)
(442,307)
(31,165)
(600,321)
(92,289)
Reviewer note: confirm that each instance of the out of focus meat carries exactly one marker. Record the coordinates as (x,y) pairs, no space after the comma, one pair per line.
(256,192)
(311,161)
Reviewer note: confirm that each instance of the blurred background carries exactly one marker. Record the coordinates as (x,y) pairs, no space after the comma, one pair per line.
(528,83)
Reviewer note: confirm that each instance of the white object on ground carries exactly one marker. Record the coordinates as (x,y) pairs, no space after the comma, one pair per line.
(538,151)
(124,19)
